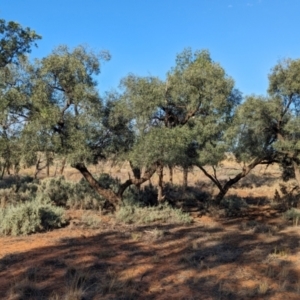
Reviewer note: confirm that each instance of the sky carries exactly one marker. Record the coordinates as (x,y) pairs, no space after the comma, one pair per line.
(247,37)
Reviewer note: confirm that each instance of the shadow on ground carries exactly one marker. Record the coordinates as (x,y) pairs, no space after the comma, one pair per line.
(252,257)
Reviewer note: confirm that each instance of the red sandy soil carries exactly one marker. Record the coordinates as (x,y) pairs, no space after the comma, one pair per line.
(256,256)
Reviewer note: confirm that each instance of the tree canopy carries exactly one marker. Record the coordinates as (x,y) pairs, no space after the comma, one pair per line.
(194,117)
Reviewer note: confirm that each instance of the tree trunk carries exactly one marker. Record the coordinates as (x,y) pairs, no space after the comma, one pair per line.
(48,169)
(16,169)
(108,194)
(297,172)
(2,172)
(223,189)
(137,181)
(137,175)
(49,160)
(238,177)
(160,173)
(185,178)
(171,174)
(8,169)
(63,164)
(37,167)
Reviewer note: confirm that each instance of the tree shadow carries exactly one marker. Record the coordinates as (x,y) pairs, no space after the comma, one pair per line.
(207,260)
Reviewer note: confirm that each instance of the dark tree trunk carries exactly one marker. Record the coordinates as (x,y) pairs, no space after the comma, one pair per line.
(37,167)
(16,169)
(137,175)
(49,160)
(48,169)
(137,181)
(3,171)
(160,173)
(185,178)
(108,194)
(62,168)
(171,174)
(223,189)
(8,169)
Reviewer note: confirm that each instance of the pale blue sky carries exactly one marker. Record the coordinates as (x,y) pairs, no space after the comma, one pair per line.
(247,37)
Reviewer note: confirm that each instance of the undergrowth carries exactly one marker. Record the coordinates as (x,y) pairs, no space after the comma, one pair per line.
(292,214)
(145,215)
(29,217)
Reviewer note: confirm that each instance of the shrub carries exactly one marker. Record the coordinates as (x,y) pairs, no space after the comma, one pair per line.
(14,190)
(75,195)
(145,215)
(13,181)
(68,194)
(84,197)
(292,214)
(58,190)
(234,205)
(29,217)
(146,196)
(290,195)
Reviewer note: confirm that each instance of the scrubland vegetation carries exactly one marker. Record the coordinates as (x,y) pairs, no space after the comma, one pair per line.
(225,230)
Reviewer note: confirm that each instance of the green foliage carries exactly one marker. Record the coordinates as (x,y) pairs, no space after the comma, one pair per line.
(15,190)
(188,112)
(292,214)
(16,181)
(69,194)
(289,197)
(234,205)
(30,217)
(146,196)
(285,79)
(11,196)
(248,135)
(145,215)
(14,41)
(57,190)
(90,220)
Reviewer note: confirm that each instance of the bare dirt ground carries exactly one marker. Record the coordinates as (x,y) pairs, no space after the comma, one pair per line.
(254,256)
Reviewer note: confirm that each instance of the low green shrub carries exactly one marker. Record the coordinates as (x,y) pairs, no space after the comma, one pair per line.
(15,190)
(57,190)
(13,181)
(145,215)
(292,214)
(234,205)
(75,195)
(29,217)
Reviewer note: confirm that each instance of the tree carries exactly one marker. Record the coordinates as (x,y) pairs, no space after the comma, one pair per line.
(64,114)
(265,130)
(284,87)
(180,121)
(248,140)
(15,42)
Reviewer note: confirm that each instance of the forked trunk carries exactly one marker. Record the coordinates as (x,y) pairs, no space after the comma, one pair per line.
(223,189)
(108,194)
(246,170)
(137,181)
